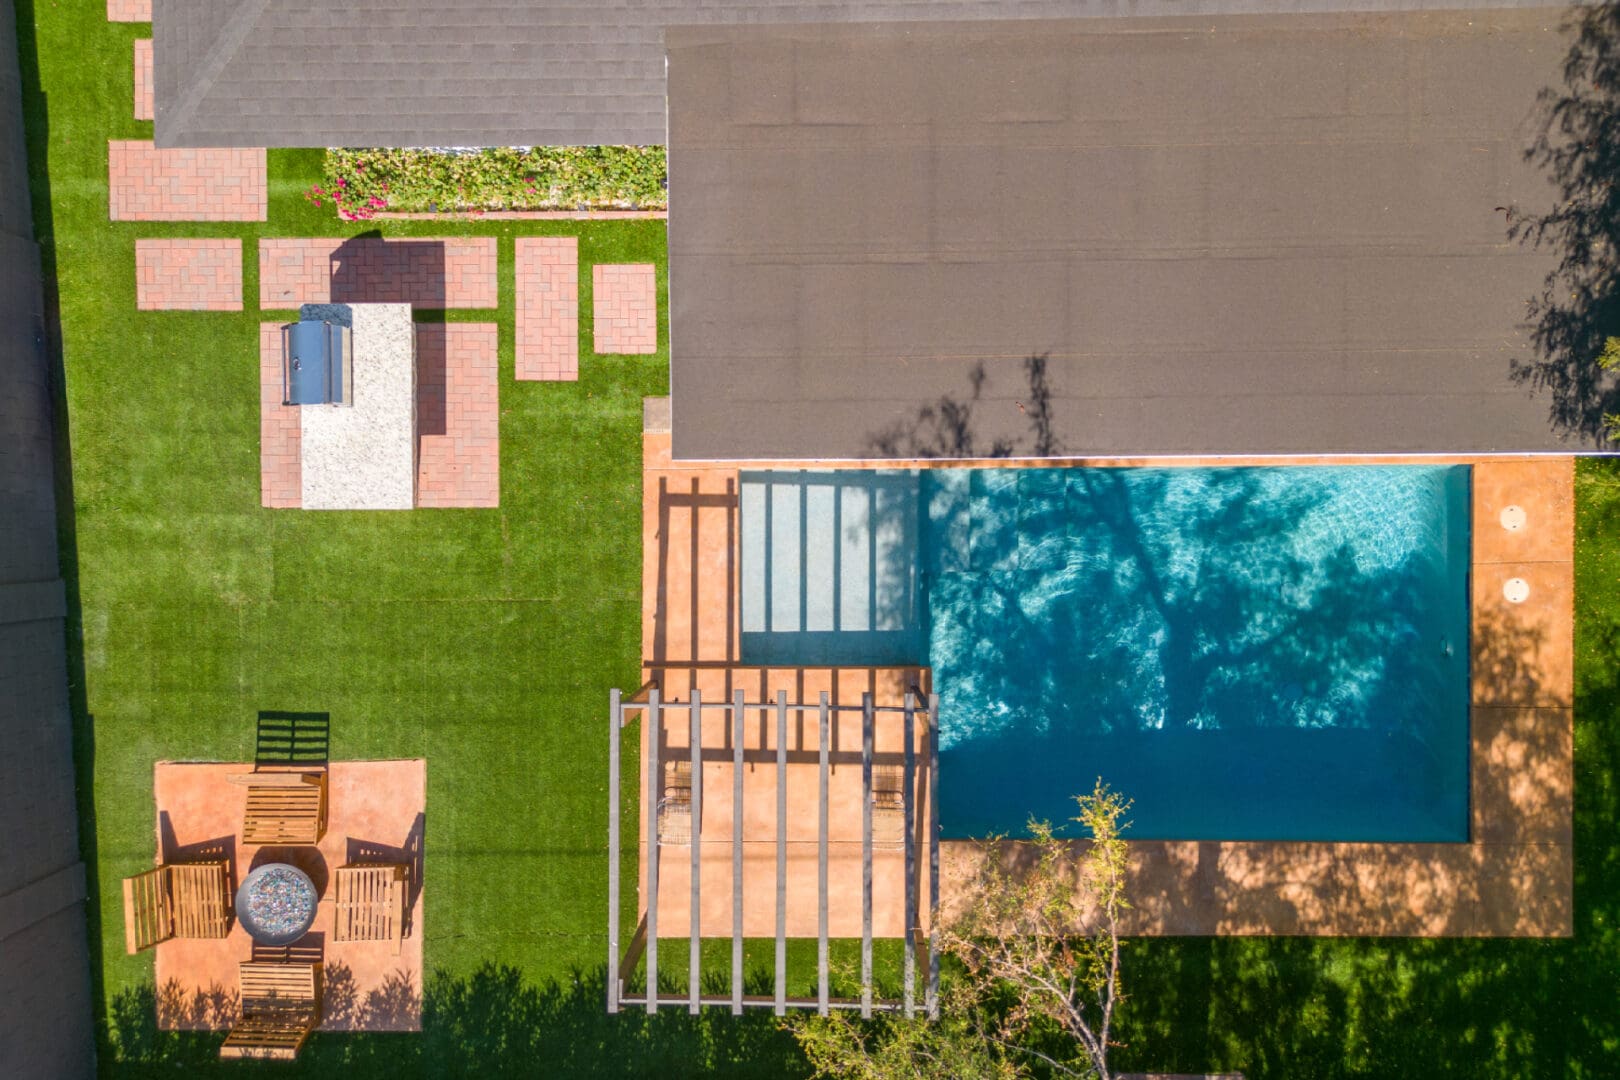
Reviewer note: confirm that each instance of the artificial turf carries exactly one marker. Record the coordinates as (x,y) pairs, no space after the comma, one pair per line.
(485,642)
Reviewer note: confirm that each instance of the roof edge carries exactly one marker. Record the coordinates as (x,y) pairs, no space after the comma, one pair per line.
(170,126)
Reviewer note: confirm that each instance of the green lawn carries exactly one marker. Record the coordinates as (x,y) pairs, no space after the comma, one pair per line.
(482,640)
(485,641)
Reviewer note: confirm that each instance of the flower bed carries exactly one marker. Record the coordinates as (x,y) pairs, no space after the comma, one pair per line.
(361,183)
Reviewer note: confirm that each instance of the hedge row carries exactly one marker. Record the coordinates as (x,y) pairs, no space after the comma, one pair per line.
(362,182)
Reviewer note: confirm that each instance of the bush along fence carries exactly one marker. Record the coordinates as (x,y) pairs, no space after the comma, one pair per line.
(360,184)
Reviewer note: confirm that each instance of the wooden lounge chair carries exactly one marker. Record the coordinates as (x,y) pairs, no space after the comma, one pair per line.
(278,1007)
(283,807)
(182,900)
(675,803)
(888,806)
(370,903)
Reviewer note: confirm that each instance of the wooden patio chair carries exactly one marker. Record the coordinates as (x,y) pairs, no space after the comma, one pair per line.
(675,803)
(279,1005)
(283,807)
(181,900)
(370,903)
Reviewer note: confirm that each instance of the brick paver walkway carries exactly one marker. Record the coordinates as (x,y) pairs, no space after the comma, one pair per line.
(147,184)
(280,481)
(143,79)
(548,307)
(188,275)
(129,10)
(624,306)
(454,272)
(457,415)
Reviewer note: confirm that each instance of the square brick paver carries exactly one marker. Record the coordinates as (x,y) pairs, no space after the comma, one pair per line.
(188,275)
(129,10)
(376,813)
(148,184)
(143,79)
(457,415)
(548,307)
(452,272)
(280,435)
(624,306)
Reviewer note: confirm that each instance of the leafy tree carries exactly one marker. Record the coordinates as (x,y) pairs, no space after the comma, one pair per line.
(1035,954)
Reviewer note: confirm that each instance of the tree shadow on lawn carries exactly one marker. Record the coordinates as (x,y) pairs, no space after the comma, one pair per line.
(491,1023)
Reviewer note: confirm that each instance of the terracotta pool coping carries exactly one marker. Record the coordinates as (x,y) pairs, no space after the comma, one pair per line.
(1513,878)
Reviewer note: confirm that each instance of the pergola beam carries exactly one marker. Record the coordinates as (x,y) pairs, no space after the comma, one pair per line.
(694,975)
(909,802)
(737,715)
(654,787)
(866,855)
(616,719)
(781,852)
(821,891)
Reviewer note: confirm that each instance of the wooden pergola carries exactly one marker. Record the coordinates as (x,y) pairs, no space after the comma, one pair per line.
(650,705)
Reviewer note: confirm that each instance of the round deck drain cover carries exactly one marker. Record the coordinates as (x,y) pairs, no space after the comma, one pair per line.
(1512,518)
(1517,590)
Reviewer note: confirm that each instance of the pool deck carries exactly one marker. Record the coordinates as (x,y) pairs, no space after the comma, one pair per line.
(1514,878)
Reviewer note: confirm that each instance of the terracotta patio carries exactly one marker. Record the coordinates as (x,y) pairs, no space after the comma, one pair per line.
(376,814)
(1514,877)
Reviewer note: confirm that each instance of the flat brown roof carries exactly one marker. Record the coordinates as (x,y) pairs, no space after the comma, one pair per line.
(1223,235)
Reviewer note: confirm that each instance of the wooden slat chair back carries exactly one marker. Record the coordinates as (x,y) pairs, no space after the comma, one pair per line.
(283,807)
(370,903)
(182,900)
(279,1005)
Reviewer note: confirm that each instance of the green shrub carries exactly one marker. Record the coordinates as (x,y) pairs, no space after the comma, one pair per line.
(359,183)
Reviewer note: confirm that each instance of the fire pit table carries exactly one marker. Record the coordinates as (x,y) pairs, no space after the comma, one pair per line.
(276,904)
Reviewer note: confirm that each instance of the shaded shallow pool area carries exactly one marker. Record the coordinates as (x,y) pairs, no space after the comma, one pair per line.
(1263,653)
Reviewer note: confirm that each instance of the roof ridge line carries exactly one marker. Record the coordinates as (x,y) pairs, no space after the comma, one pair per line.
(221,52)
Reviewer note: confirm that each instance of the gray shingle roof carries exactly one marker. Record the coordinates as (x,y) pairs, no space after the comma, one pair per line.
(1253,235)
(490,72)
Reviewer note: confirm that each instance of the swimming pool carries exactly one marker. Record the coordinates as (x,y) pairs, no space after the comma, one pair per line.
(1275,653)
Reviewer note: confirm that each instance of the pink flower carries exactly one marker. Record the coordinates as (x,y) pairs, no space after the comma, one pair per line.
(317,202)
(374,201)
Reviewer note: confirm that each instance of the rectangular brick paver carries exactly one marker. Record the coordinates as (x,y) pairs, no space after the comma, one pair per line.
(457,415)
(148,184)
(188,275)
(453,272)
(129,10)
(143,79)
(279,432)
(548,307)
(624,306)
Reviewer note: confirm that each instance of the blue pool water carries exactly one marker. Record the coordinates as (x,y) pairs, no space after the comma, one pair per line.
(1249,654)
